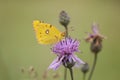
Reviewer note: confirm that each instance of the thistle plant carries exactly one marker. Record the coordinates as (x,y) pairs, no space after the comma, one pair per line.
(65,49)
(64,20)
(95,40)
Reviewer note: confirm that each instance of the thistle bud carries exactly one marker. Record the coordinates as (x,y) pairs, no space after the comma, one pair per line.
(85,68)
(64,19)
(96,45)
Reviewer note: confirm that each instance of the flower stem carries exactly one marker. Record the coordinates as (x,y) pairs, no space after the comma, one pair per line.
(65,71)
(65,74)
(84,76)
(93,67)
(71,73)
(66,31)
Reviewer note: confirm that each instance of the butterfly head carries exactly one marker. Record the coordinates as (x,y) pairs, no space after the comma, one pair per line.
(63,34)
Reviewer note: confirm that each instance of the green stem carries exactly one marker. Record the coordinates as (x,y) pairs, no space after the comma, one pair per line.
(71,73)
(65,71)
(65,74)
(93,67)
(66,31)
(84,76)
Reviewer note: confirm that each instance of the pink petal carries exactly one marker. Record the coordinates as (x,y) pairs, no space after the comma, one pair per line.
(56,63)
(95,28)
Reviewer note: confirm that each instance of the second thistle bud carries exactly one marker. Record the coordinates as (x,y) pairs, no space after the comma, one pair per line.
(64,19)
(95,39)
(85,68)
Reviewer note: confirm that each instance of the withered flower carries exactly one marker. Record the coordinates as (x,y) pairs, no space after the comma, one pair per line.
(95,39)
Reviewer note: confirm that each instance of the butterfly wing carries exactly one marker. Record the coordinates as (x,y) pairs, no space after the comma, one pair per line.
(46,33)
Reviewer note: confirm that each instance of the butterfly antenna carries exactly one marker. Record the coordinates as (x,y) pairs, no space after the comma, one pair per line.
(71,29)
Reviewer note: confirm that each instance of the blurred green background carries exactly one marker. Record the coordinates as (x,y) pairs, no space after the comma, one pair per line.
(19,47)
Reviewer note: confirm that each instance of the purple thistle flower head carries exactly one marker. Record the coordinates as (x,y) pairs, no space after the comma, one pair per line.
(65,50)
(66,46)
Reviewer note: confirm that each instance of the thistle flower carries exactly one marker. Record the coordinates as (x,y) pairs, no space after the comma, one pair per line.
(65,50)
(95,39)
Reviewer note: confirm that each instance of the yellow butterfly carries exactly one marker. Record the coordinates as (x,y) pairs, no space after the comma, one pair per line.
(47,33)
